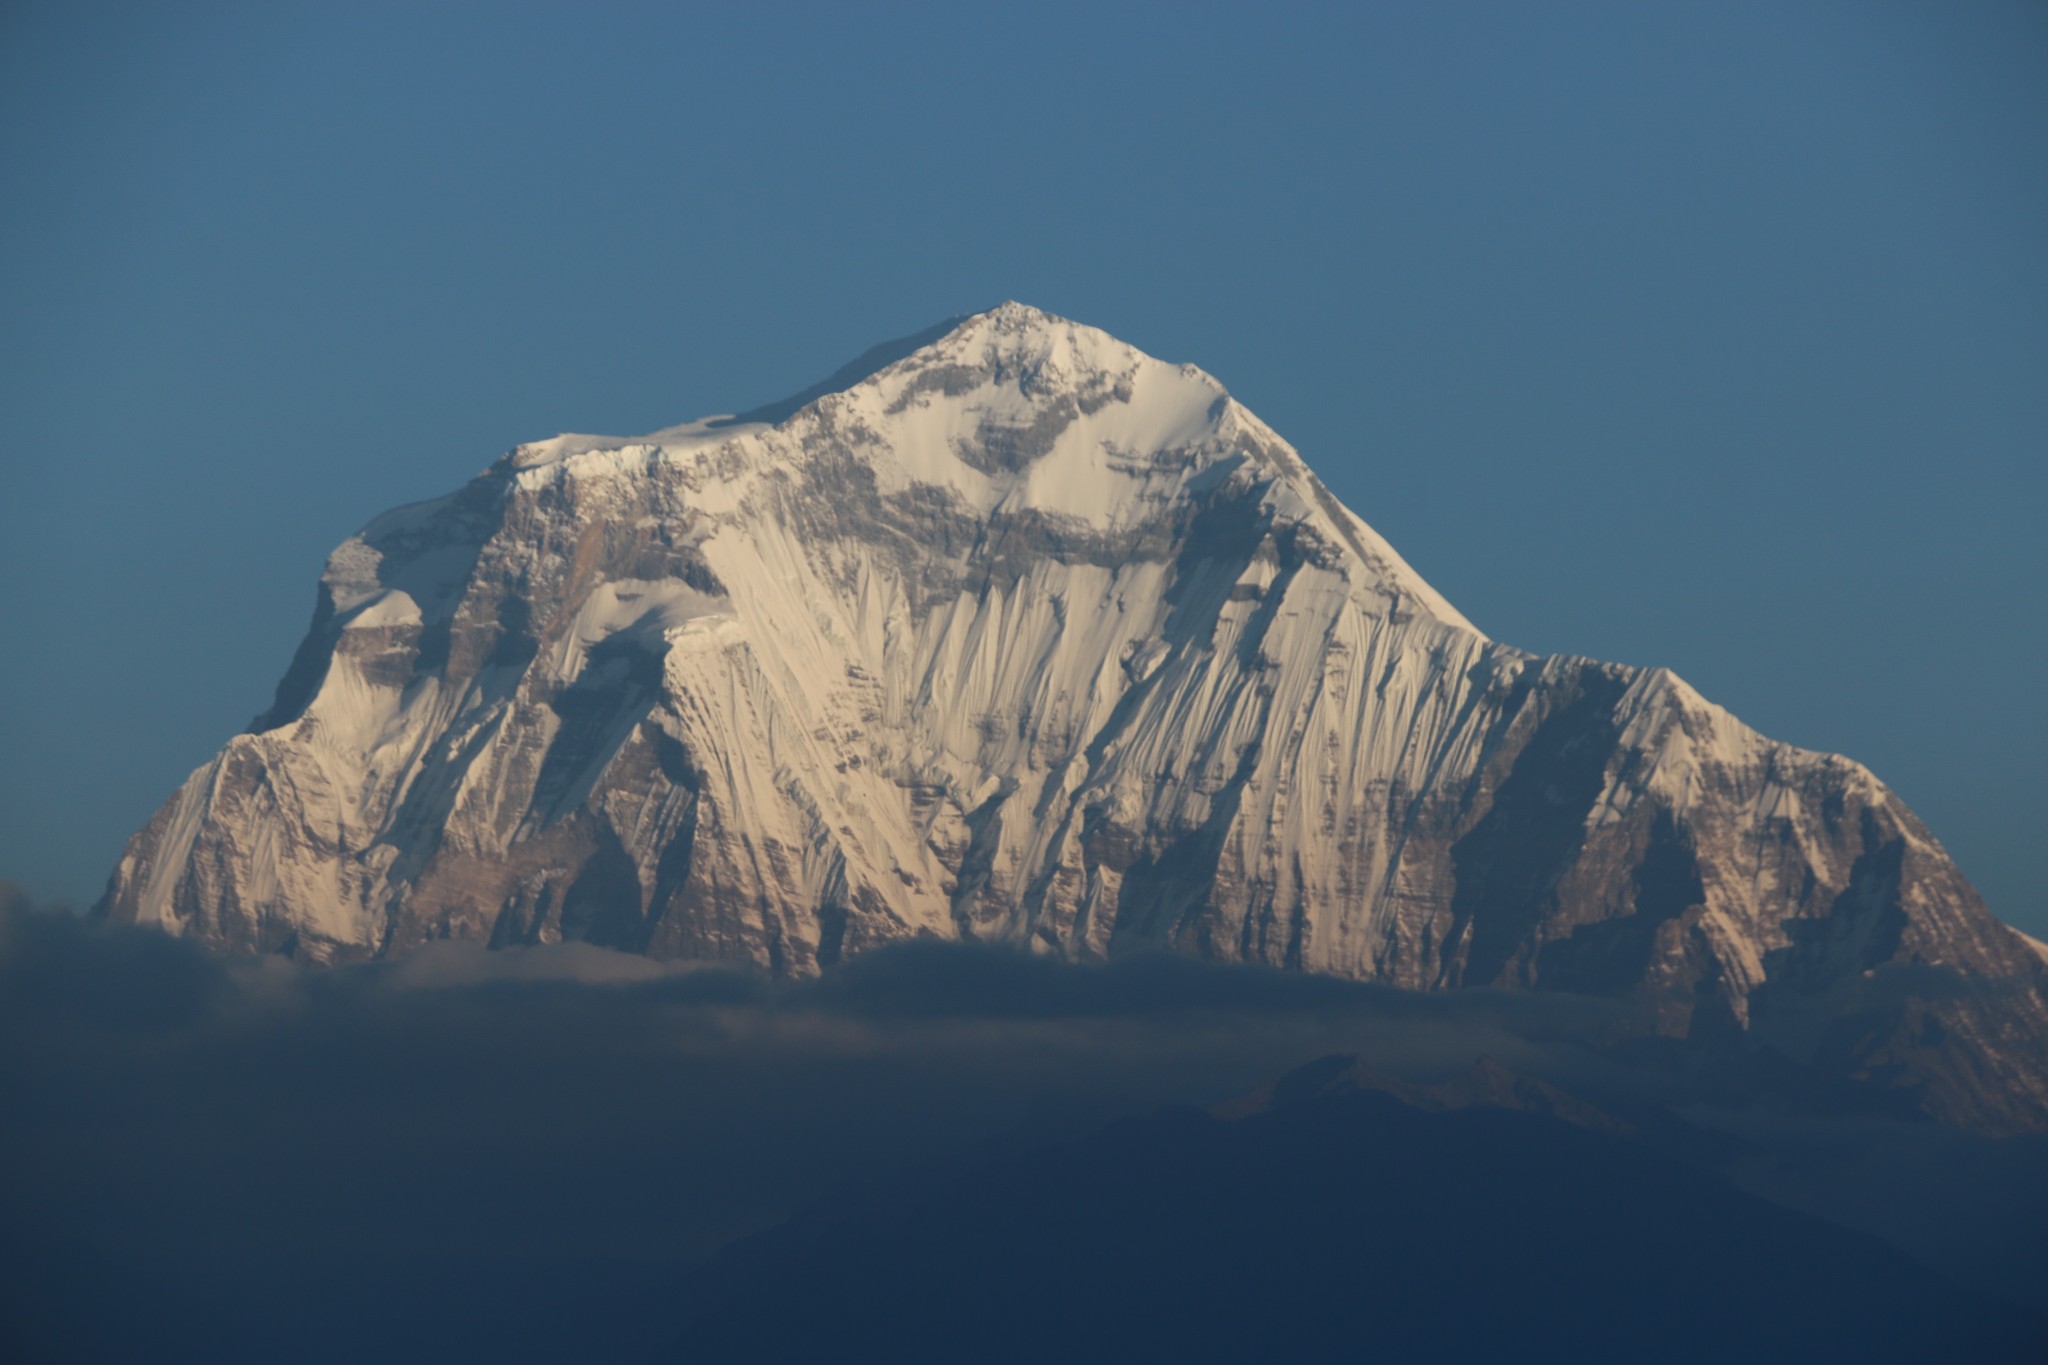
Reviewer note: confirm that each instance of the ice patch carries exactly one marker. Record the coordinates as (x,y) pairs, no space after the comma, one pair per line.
(393,607)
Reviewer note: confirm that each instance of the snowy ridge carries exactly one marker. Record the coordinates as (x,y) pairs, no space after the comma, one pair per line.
(1023,635)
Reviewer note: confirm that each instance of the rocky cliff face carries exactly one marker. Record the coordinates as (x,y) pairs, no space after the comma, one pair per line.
(1012,632)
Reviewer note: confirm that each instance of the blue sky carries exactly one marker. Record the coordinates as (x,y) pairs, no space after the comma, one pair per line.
(1705,335)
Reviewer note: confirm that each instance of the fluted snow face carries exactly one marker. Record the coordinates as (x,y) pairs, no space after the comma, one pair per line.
(1027,636)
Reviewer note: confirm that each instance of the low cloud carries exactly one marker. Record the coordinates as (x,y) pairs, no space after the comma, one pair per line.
(663,1109)
(464,1127)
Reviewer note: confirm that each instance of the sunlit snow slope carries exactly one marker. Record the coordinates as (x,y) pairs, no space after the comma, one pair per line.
(1027,636)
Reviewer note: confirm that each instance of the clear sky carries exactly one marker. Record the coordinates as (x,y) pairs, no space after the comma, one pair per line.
(1706,335)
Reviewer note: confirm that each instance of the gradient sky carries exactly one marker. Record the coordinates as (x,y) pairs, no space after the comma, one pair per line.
(1712,336)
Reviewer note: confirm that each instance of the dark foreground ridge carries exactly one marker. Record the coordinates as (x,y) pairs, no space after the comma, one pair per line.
(1340,1216)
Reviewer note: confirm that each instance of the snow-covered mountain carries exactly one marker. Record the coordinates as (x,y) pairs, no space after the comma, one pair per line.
(1012,632)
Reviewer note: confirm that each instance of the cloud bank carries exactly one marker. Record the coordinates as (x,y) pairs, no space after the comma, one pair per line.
(511,1149)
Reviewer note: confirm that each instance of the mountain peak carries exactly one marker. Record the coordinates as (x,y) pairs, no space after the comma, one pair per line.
(1022,331)
(1018,413)
(1016,330)
(1013,308)
(1009,631)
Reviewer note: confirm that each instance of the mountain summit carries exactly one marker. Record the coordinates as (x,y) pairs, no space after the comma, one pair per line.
(1012,632)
